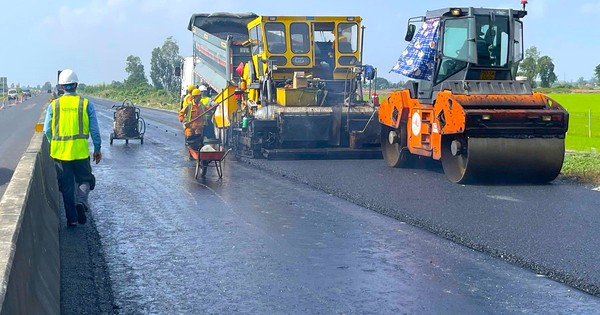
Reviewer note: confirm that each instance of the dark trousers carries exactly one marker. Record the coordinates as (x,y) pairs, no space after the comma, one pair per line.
(75,180)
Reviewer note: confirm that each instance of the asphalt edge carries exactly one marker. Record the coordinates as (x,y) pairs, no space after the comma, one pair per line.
(29,243)
(552,273)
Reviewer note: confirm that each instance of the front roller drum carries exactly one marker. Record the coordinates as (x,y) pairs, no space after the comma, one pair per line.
(530,160)
(394,147)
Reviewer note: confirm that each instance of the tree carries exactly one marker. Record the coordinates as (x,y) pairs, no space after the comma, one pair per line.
(581,82)
(597,73)
(47,86)
(382,83)
(546,71)
(135,71)
(529,66)
(162,66)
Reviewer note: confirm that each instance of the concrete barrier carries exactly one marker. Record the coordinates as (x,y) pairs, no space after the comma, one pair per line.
(29,239)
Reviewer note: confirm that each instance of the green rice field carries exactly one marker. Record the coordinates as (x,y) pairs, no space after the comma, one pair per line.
(584,133)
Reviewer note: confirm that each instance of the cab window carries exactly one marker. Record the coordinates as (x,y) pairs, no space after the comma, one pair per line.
(347,38)
(276,37)
(299,38)
(256,41)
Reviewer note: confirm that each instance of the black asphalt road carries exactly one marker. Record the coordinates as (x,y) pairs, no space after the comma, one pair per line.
(257,242)
(17,125)
(550,229)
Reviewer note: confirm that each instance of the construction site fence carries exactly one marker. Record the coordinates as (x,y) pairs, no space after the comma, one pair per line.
(584,124)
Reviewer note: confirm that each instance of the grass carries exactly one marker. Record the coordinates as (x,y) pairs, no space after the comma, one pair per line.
(584,167)
(579,106)
(139,95)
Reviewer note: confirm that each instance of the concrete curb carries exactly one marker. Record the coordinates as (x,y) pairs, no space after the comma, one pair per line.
(29,243)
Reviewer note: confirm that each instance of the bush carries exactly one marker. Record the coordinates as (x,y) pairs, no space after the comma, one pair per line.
(141,94)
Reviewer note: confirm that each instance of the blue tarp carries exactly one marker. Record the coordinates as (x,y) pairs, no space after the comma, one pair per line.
(417,60)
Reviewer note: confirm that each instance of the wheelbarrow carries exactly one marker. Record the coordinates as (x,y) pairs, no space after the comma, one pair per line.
(127,123)
(205,159)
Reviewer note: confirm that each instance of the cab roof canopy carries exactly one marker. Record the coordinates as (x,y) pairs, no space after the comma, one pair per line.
(222,24)
(475,11)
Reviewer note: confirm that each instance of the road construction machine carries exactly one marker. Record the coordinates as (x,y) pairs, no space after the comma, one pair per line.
(290,86)
(465,105)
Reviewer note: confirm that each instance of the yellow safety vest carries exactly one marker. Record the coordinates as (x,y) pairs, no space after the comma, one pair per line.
(204,101)
(70,128)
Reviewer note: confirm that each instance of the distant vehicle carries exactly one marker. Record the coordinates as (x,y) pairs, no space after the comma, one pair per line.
(27,93)
(187,75)
(49,91)
(12,94)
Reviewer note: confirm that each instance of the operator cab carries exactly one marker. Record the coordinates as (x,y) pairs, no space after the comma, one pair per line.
(324,47)
(460,45)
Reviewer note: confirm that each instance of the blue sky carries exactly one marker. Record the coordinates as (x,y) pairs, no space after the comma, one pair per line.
(95,37)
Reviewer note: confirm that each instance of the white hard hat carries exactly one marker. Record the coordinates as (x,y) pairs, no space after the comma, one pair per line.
(202,88)
(67,76)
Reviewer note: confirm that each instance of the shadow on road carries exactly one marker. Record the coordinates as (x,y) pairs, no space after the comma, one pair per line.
(5,175)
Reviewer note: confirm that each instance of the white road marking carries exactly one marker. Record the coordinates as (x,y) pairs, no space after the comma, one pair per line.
(505,198)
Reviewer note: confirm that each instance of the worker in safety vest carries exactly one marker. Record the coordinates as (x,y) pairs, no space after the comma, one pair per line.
(193,122)
(188,97)
(207,102)
(70,121)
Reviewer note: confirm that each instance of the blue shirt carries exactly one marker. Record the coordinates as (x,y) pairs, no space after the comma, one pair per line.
(94,128)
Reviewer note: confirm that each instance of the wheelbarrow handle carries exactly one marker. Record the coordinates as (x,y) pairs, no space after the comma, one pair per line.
(225,155)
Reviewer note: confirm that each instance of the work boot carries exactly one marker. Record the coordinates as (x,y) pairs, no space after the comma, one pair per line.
(81,218)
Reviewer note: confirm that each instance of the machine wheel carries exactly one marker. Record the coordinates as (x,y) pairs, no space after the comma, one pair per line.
(112,136)
(455,157)
(394,146)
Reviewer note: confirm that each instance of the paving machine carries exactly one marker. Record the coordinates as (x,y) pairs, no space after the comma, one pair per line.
(465,106)
(291,86)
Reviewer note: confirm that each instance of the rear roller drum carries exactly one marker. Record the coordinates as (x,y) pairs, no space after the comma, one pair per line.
(531,160)
(394,148)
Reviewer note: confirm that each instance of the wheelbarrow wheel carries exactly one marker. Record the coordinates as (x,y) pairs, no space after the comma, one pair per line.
(204,168)
(197,169)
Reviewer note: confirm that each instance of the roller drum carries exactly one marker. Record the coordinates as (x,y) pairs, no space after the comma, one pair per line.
(532,160)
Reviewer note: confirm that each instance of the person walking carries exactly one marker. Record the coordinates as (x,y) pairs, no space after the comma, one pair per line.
(70,121)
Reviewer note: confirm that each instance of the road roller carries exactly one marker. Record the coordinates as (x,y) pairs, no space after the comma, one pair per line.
(464,104)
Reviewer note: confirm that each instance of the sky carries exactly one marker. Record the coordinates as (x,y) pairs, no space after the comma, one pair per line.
(94,37)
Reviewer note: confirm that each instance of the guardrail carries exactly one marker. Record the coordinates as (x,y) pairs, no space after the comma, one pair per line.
(29,239)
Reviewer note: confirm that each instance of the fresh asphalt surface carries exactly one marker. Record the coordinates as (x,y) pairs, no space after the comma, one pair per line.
(263,240)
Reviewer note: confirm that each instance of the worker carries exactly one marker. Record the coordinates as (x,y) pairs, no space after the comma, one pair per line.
(193,122)
(70,121)
(188,96)
(209,128)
